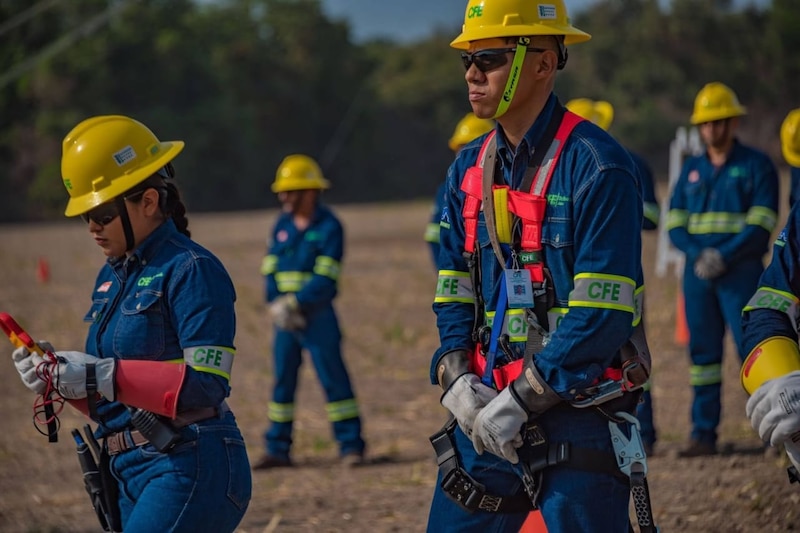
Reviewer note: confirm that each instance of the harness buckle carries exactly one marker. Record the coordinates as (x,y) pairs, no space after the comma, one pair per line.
(606,390)
(631,458)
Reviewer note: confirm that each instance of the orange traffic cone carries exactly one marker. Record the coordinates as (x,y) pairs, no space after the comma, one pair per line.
(681,328)
(534,523)
(43,271)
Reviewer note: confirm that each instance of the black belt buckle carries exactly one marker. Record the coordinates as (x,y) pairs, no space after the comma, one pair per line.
(463,490)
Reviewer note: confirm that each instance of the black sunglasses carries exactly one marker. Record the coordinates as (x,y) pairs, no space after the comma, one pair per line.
(105,214)
(491,58)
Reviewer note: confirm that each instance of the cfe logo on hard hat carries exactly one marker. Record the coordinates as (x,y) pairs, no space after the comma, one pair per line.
(475,11)
(547,11)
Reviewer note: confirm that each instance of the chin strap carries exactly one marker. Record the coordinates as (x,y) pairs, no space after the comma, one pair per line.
(513,76)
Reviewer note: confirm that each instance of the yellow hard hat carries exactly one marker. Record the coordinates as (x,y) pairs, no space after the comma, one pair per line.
(469,128)
(298,172)
(790,137)
(105,156)
(486,19)
(600,112)
(771,358)
(716,101)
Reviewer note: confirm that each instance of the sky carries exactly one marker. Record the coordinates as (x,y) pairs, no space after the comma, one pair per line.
(411,20)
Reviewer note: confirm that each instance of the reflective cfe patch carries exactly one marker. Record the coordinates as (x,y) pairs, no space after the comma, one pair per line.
(603,291)
(212,359)
(453,286)
(767,298)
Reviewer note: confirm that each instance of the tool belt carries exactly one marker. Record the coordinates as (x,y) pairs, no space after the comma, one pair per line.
(129,439)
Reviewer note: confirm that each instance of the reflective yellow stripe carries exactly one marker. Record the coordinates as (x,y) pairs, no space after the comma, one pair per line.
(603,291)
(269,265)
(453,286)
(677,218)
(715,222)
(502,216)
(762,216)
(280,412)
(705,375)
(342,410)
(212,359)
(514,324)
(768,298)
(291,281)
(432,232)
(652,212)
(328,267)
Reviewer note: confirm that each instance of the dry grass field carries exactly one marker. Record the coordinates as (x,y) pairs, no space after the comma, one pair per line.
(390,334)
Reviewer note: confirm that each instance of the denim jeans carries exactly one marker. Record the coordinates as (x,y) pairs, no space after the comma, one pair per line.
(570,500)
(203,484)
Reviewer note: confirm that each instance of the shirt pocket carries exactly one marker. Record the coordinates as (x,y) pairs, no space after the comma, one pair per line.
(140,331)
(558,231)
(96,311)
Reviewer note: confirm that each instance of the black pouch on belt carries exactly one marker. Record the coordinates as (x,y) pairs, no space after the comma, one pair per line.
(110,491)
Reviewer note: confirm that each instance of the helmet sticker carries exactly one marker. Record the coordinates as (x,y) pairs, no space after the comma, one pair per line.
(124,155)
(547,11)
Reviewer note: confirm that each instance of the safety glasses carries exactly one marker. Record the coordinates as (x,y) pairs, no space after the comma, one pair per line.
(104,214)
(491,58)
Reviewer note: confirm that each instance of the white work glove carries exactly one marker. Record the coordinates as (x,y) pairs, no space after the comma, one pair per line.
(465,398)
(68,373)
(498,427)
(793,451)
(285,313)
(710,264)
(774,408)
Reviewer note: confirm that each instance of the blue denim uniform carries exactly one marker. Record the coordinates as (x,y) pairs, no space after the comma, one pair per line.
(307,263)
(794,190)
(169,298)
(774,309)
(733,209)
(652,213)
(592,230)
(432,229)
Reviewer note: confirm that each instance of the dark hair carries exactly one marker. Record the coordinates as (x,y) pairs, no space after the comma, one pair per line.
(169,200)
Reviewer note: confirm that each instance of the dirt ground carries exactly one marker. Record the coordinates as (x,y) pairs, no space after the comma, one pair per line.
(390,334)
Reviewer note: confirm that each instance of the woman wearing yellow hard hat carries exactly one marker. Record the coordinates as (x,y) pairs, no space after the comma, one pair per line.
(301,279)
(160,341)
(542,217)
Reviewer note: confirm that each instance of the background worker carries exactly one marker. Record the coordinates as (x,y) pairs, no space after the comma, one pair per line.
(160,305)
(511,50)
(301,271)
(468,129)
(602,113)
(722,211)
(790,146)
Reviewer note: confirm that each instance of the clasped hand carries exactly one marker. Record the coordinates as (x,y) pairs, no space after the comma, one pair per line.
(285,313)
(67,373)
(498,427)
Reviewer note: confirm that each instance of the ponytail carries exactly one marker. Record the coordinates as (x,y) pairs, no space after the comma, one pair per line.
(175,208)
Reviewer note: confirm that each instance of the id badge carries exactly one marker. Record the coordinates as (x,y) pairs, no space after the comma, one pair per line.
(519,288)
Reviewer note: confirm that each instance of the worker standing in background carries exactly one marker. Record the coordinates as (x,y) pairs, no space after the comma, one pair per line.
(301,272)
(468,129)
(790,146)
(602,113)
(723,209)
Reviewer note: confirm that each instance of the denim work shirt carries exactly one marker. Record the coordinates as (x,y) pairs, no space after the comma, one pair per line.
(733,208)
(774,309)
(306,263)
(169,298)
(591,240)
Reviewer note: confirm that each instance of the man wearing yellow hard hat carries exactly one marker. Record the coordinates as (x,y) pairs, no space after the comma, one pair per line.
(468,129)
(790,146)
(723,209)
(540,284)
(301,273)
(602,113)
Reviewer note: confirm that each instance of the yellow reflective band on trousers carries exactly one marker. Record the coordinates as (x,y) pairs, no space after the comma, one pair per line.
(269,265)
(212,359)
(291,281)
(603,291)
(328,267)
(705,375)
(280,412)
(432,232)
(453,287)
(342,410)
(767,298)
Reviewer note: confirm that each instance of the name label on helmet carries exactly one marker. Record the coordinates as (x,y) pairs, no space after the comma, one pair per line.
(124,155)
(475,11)
(547,11)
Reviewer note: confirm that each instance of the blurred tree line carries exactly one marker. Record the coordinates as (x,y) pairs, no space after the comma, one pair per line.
(246,82)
